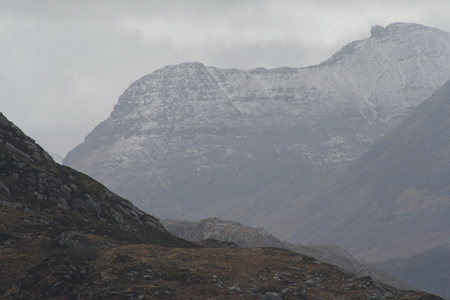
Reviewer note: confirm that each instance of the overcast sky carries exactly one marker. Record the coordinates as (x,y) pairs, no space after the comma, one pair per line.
(64,64)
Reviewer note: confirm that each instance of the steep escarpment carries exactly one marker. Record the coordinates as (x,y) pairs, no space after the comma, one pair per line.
(188,136)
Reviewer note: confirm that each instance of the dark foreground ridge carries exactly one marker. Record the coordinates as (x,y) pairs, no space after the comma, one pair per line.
(65,236)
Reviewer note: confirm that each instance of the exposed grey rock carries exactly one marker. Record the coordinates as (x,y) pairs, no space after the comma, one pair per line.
(71,240)
(73,187)
(16,205)
(35,152)
(13,149)
(235,289)
(4,187)
(87,203)
(7,240)
(272,296)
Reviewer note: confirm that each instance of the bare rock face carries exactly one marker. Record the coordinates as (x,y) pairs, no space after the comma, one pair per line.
(189,136)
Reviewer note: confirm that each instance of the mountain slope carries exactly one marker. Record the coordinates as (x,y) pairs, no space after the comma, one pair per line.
(429,270)
(32,182)
(395,200)
(189,136)
(65,236)
(45,207)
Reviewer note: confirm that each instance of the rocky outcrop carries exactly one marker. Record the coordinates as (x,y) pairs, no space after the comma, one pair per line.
(245,236)
(222,230)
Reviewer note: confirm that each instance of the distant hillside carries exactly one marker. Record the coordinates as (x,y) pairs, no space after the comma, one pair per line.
(392,202)
(429,270)
(244,236)
(56,157)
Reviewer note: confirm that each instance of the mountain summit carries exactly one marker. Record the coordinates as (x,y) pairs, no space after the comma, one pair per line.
(188,136)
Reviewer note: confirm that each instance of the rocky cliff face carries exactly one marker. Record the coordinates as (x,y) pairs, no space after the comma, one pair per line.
(189,136)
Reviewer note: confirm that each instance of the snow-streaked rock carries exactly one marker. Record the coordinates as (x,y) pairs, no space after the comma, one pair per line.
(189,136)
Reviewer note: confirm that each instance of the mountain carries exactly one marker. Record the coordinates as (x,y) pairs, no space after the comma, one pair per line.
(429,270)
(392,202)
(188,137)
(56,157)
(56,198)
(65,236)
(245,236)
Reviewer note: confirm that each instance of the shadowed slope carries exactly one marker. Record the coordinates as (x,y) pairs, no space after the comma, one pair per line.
(395,199)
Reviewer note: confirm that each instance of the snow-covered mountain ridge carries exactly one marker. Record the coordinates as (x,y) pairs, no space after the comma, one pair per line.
(188,136)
